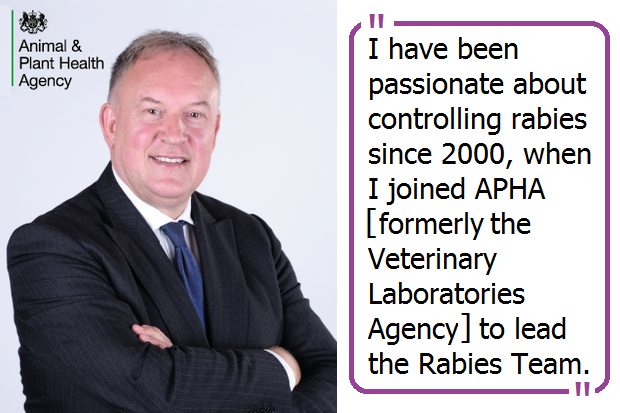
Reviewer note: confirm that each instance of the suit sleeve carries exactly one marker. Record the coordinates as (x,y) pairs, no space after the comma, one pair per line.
(307,338)
(69,317)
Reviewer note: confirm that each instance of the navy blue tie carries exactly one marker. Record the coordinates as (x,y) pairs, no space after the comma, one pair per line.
(186,266)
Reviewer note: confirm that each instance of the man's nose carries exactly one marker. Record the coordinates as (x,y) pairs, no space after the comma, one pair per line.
(173,129)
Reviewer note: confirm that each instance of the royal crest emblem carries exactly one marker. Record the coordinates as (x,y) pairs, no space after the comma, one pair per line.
(33,23)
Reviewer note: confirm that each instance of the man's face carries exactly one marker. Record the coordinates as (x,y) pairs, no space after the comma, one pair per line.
(161,127)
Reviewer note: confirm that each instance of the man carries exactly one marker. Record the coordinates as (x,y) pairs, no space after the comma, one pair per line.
(142,295)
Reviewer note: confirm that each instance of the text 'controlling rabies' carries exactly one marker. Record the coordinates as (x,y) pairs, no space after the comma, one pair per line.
(459,118)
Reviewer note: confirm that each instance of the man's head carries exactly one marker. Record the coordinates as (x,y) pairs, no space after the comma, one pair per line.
(162,117)
(157,41)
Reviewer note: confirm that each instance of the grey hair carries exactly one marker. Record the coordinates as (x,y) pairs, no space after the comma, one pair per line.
(156,41)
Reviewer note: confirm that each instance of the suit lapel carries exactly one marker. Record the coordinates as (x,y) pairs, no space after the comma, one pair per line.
(226,298)
(150,264)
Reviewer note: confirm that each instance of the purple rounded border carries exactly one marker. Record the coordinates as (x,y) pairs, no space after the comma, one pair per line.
(605,382)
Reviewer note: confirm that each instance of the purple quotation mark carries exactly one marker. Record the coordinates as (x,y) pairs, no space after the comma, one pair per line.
(372,21)
(586,386)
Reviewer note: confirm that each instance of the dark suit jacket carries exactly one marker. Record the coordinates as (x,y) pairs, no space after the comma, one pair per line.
(83,273)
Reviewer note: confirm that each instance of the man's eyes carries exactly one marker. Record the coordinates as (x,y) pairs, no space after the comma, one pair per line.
(194,115)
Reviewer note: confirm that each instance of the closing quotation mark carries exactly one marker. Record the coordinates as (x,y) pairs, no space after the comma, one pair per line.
(586,386)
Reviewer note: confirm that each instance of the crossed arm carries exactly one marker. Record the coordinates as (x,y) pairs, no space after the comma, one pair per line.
(154,336)
(74,319)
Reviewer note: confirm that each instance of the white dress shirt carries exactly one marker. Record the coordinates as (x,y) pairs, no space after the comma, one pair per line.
(155,219)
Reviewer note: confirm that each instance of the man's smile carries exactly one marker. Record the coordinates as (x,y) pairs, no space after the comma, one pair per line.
(168,160)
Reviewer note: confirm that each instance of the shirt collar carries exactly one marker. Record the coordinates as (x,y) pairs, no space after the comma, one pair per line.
(154,217)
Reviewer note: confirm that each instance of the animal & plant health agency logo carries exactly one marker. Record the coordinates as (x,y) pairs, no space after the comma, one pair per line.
(33,22)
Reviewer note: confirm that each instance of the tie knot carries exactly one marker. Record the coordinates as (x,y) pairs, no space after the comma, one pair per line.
(174,231)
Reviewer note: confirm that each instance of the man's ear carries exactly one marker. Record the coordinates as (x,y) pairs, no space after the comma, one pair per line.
(107,121)
(217,129)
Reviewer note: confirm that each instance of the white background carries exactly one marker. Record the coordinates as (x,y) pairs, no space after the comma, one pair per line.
(275,153)
(350,399)
(5,50)
(558,264)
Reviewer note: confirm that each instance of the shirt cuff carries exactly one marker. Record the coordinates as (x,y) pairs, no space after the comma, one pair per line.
(289,370)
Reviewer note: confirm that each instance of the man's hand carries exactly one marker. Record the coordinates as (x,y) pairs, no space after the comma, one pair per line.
(153,335)
(290,360)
